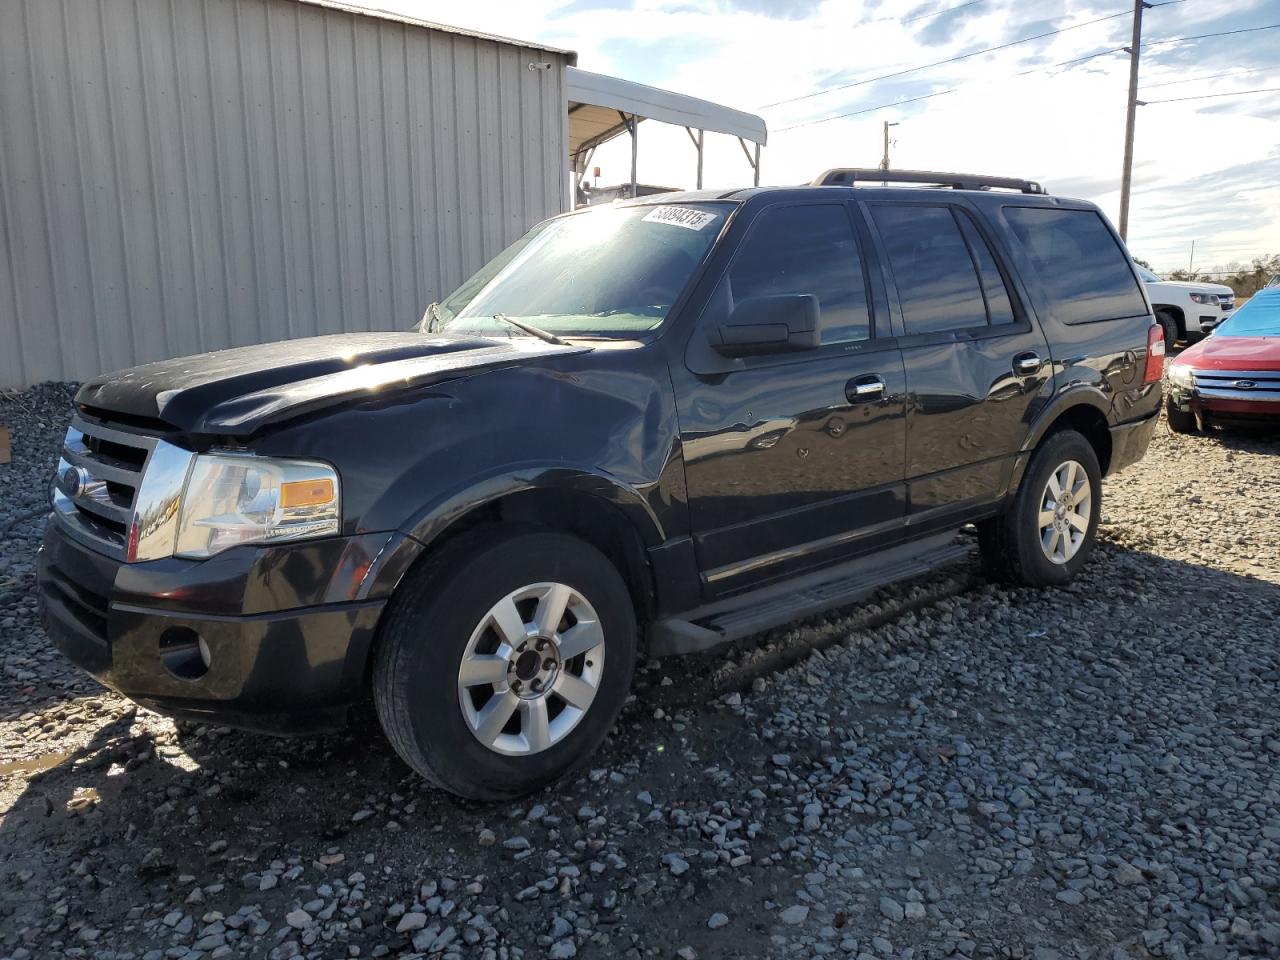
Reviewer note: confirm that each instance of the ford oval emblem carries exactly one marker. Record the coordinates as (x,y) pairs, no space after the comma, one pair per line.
(73,481)
(1245,384)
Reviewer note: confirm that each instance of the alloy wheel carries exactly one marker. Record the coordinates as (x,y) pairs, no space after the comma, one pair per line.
(531,669)
(1065,507)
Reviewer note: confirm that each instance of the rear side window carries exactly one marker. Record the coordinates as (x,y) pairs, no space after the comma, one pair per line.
(937,283)
(807,249)
(1084,271)
(999,306)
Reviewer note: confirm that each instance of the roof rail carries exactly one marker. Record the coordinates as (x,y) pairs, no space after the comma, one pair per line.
(848,176)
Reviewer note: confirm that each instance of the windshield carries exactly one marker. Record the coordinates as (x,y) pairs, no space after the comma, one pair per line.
(610,271)
(1260,317)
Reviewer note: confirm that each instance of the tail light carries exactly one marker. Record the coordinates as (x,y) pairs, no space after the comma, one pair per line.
(1155,355)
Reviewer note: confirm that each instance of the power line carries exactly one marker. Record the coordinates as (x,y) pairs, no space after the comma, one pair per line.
(1211,96)
(941,93)
(1207,36)
(855,113)
(1023,73)
(939,63)
(1211,76)
(938,13)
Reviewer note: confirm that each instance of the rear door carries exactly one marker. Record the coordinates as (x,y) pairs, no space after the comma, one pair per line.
(976,365)
(794,460)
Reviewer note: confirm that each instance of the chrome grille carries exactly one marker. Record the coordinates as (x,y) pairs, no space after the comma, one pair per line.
(117,491)
(1238,384)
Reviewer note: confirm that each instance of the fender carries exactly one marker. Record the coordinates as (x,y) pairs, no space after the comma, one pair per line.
(1075,395)
(416,536)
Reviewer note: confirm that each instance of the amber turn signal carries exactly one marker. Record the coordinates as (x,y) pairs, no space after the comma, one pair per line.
(306,493)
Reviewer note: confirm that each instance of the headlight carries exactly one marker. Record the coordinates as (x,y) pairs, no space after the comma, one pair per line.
(232,499)
(1181,375)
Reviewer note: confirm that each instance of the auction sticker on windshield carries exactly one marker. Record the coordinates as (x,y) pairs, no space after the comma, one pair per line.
(681,217)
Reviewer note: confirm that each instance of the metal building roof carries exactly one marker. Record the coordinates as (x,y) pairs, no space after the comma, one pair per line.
(368,11)
(597,103)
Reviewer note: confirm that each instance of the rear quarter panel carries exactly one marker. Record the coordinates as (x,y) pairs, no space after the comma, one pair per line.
(1099,363)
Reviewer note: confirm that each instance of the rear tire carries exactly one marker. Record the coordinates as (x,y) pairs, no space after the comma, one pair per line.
(1047,532)
(1169,324)
(482,625)
(1180,421)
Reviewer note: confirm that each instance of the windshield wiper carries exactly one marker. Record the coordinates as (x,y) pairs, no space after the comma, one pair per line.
(530,329)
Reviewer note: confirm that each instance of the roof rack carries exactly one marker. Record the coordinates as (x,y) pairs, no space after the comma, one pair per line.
(848,176)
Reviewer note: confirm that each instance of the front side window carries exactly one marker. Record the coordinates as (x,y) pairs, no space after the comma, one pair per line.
(1084,271)
(937,281)
(610,271)
(807,249)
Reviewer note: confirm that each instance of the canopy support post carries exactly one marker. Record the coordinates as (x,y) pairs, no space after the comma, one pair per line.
(697,143)
(754,161)
(635,149)
(583,165)
(632,123)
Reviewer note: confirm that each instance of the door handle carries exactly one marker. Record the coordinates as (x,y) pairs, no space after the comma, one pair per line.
(864,389)
(1027,364)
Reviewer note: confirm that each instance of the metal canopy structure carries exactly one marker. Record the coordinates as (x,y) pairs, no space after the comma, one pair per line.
(602,108)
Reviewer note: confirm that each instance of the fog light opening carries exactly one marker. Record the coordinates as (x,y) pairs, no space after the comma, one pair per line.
(184,653)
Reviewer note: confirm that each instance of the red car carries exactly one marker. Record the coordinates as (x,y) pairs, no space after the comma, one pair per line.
(1234,374)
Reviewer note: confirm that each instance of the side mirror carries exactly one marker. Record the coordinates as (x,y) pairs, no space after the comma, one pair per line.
(767,325)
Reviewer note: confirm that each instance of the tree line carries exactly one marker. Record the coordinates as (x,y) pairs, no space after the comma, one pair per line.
(1245,279)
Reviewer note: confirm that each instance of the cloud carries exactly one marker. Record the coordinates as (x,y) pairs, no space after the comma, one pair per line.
(943,27)
(1203,169)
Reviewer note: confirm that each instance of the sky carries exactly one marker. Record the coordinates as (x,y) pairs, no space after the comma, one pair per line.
(1204,170)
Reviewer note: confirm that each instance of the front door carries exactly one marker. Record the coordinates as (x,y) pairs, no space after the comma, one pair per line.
(976,366)
(796,459)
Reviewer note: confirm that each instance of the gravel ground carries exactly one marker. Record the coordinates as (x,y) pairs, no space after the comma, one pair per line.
(952,769)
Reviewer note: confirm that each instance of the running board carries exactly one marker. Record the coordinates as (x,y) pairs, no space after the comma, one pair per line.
(799,597)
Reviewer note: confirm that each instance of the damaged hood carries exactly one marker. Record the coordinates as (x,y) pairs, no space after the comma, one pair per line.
(237,392)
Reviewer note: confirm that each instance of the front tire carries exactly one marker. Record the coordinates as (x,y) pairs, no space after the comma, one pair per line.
(1180,421)
(504,661)
(1046,534)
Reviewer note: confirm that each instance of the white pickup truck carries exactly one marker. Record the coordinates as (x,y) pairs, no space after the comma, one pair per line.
(1187,310)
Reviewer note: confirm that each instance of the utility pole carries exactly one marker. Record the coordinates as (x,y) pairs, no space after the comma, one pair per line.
(884,164)
(1126,180)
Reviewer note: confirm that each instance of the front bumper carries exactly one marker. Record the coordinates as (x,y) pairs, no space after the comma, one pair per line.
(286,629)
(1209,323)
(1226,404)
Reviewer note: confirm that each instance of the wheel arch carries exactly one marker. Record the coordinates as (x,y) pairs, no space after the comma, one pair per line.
(1084,410)
(614,519)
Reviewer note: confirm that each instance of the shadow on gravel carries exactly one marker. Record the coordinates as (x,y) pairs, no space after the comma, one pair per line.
(145,808)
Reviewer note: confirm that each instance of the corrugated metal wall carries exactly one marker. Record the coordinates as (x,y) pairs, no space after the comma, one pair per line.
(186,175)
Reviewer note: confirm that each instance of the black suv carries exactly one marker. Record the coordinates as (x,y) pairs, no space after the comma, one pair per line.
(651,427)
